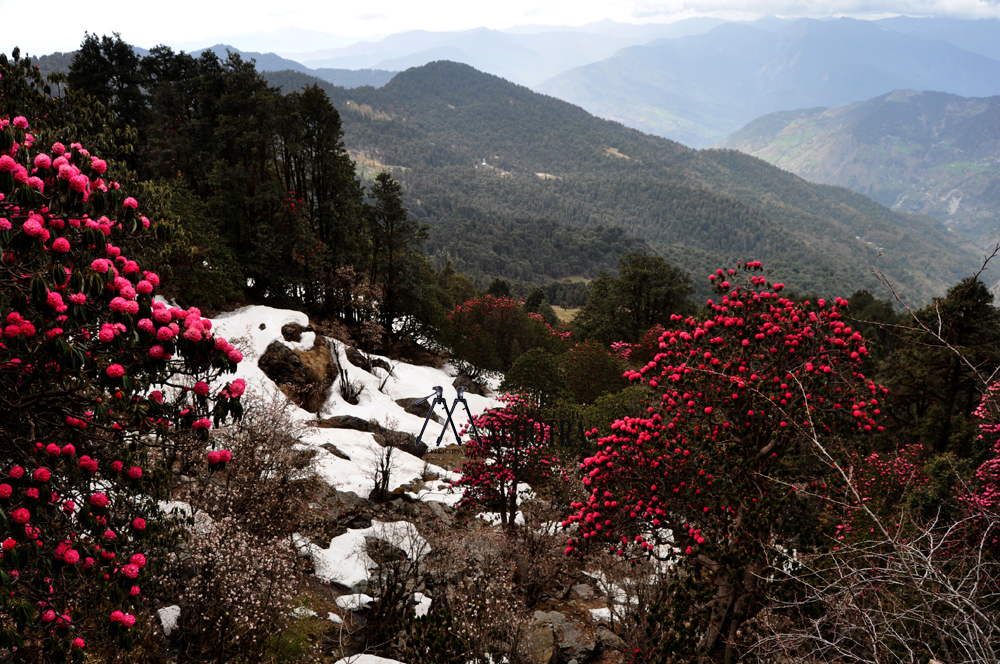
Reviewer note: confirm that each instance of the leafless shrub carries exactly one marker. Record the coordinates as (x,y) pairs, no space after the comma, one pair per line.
(634,589)
(350,390)
(239,592)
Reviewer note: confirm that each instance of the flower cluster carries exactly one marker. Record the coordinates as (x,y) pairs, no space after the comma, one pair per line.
(83,346)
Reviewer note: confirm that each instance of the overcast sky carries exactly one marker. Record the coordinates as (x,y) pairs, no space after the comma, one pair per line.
(58,25)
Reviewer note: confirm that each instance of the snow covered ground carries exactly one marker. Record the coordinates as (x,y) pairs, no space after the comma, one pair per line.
(252,329)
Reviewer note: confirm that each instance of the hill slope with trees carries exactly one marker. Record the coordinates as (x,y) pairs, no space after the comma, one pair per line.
(471,148)
(921,152)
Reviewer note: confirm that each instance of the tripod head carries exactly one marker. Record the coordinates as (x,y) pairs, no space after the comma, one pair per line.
(438,394)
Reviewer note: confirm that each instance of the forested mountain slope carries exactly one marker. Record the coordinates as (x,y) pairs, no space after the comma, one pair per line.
(471,148)
(923,152)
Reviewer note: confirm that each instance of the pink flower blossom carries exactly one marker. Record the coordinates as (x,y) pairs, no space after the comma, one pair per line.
(134,590)
(61,245)
(115,371)
(5,224)
(21,515)
(237,387)
(157,352)
(225,456)
(235,356)
(130,203)
(9,544)
(42,474)
(164,334)
(20,122)
(213,457)
(101,265)
(78,298)
(203,423)
(79,643)
(144,287)
(135,472)
(117,466)
(49,616)
(37,184)
(17,472)
(43,161)
(99,165)
(138,559)
(201,388)
(5,491)
(109,534)
(68,449)
(99,500)
(156,396)
(117,616)
(131,571)
(128,620)
(71,557)
(53,450)
(139,523)
(32,493)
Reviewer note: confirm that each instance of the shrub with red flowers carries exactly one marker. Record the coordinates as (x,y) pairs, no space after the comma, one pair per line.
(489,333)
(509,455)
(85,434)
(725,465)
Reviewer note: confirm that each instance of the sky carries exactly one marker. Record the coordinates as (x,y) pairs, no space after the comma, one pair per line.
(192,23)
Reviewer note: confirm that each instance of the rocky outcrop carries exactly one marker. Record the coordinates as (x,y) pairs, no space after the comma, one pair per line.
(411,406)
(571,635)
(470,385)
(293,331)
(304,376)
(363,362)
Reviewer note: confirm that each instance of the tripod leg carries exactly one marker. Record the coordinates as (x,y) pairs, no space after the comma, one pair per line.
(472,422)
(444,428)
(424,428)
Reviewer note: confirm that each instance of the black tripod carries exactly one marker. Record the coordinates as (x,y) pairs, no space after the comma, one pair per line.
(439,399)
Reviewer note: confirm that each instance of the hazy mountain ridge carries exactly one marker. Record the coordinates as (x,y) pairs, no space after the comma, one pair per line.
(922,152)
(698,89)
(470,146)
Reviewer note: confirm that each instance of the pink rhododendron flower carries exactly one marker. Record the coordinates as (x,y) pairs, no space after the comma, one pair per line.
(5,491)
(156,395)
(101,265)
(71,557)
(49,616)
(138,559)
(117,616)
(135,472)
(139,523)
(144,287)
(134,591)
(109,534)
(9,544)
(201,388)
(158,353)
(130,203)
(53,450)
(5,224)
(235,356)
(61,245)
(128,620)
(32,493)
(203,423)
(225,456)
(237,387)
(213,457)
(99,500)
(99,165)
(115,371)
(68,449)
(117,466)
(43,161)
(131,571)
(42,474)
(78,298)
(79,643)
(21,515)
(20,122)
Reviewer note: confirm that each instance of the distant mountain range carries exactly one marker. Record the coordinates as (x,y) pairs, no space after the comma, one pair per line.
(921,152)
(694,81)
(505,176)
(700,88)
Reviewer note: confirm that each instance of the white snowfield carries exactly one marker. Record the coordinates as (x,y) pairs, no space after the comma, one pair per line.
(345,561)
(367,659)
(243,329)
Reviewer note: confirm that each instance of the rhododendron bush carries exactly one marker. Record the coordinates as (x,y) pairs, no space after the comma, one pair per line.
(99,382)
(725,466)
(509,447)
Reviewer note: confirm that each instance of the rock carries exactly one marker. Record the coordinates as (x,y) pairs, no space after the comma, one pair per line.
(608,640)
(450,457)
(293,331)
(305,376)
(582,591)
(361,361)
(471,386)
(169,615)
(571,635)
(332,449)
(410,405)
(542,645)
(348,422)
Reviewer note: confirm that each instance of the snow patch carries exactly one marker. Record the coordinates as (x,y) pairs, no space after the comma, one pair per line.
(345,561)
(169,615)
(354,602)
